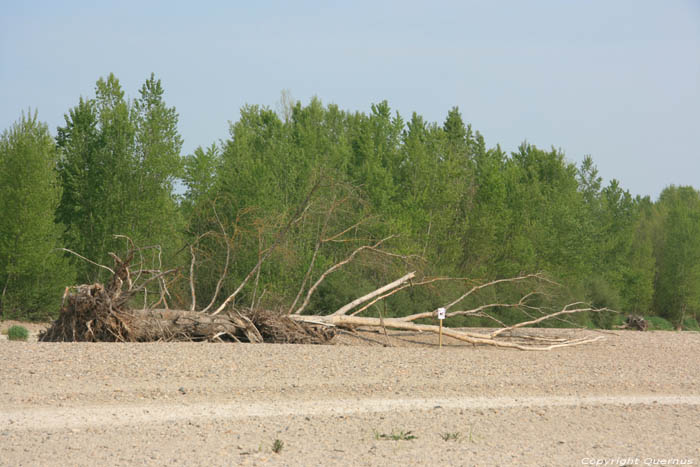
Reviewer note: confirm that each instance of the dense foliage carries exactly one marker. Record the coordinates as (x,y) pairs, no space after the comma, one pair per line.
(316,182)
(32,273)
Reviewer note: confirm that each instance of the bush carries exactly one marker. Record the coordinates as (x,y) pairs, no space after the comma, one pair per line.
(690,324)
(17,333)
(657,323)
(602,295)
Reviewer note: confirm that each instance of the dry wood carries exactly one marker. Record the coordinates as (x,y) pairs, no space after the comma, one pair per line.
(465,336)
(100,313)
(334,268)
(226,262)
(280,235)
(96,312)
(193,305)
(501,337)
(635,322)
(359,301)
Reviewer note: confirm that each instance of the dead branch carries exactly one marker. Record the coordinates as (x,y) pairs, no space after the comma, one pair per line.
(257,274)
(635,322)
(97,313)
(495,338)
(226,262)
(319,242)
(335,267)
(193,306)
(280,235)
(85,259)
(470,337)
(499,281)
(359,301)
(333,238)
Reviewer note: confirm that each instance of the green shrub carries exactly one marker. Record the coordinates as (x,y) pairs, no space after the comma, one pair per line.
(277,446)
(395,435)
(602,295)
(690,324)
(17,333)
(657,323)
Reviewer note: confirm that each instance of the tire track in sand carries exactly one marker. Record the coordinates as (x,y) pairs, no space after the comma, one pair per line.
(50,418)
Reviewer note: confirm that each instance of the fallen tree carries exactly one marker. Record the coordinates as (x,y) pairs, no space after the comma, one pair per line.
(635,322)
(107,312)
(99,312)
(500,337)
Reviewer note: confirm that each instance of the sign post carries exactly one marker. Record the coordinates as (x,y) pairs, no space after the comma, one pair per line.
(441,315)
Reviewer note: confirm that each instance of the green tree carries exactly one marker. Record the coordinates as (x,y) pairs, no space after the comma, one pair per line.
(32,273)
(677,251)
(199,177)
(97,169)
(637,288)
(118,163)
(158,163)
(82,205)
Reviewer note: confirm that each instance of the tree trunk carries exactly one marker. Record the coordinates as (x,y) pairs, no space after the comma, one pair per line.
(89,315)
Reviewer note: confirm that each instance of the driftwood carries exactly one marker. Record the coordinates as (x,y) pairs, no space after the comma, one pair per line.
(104,313)
(635,322)
(501,337)
(101,313)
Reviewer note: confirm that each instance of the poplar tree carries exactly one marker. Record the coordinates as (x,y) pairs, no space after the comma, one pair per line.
(32,272)
(677,251)
(118,163)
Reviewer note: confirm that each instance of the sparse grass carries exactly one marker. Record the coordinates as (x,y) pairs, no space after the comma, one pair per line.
(450,436)
(471,434)
(4,331)
(17,333)
(277,446)
(395,436)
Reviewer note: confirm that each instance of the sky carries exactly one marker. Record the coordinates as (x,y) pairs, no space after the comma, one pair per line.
(617,80)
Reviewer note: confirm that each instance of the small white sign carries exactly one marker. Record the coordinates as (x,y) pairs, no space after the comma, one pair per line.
(441,313)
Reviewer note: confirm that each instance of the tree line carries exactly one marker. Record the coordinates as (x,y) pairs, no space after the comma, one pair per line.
(306,186)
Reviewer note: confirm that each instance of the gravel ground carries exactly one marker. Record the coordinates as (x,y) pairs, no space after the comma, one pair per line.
(632,398)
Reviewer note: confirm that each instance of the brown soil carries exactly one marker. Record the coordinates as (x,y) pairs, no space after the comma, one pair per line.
(632,396)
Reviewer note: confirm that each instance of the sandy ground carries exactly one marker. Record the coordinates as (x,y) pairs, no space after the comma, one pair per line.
(632,398)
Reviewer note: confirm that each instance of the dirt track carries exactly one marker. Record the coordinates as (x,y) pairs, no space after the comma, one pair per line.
(634,396)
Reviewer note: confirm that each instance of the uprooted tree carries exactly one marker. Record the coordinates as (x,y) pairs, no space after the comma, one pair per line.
(109,312)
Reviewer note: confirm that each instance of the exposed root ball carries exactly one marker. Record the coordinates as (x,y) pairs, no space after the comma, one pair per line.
(280,328)
(97,313)
(87,315)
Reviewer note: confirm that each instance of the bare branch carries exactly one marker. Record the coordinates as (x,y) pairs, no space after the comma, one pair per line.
(479,309)
(226,263)
(85,259)
(334,268)
(313,257)
(257,274)
(359,301)
(158,275)
(498,281)
(472,338)
(340,234)
(565,311)
(193,306)
(280,235)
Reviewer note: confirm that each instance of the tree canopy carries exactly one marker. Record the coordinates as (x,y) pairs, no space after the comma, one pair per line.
(434,192)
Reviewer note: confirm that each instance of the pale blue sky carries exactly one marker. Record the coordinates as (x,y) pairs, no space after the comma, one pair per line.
(619,80)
